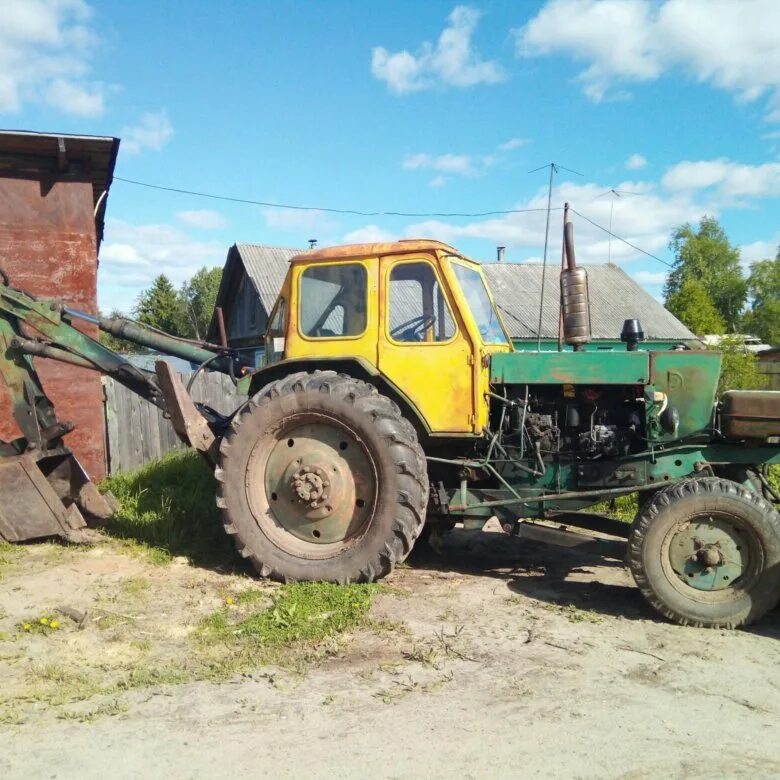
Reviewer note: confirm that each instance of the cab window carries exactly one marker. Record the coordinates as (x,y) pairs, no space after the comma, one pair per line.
(417,308)
(274,336)
(333,300)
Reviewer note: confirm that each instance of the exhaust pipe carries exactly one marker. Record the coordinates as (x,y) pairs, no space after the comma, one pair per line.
(575,303)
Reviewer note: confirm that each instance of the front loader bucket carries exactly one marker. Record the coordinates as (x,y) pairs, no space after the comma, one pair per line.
(48,494)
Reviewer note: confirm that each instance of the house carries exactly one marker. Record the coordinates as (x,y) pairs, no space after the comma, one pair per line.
(254,275)
(53,191)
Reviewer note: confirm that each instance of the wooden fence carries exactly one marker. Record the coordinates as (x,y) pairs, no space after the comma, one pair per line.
(771,368)
(137,432)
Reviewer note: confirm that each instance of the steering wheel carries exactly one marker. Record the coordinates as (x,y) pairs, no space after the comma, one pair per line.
(416,326)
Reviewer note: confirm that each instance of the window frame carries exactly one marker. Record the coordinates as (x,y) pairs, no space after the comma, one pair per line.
(458,261)
(445,295)
(299,286)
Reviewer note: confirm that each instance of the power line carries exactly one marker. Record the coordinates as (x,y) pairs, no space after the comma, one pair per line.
(356,212)
(325,209)
(619,238)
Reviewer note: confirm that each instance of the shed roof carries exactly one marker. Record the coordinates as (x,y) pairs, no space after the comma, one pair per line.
(516,287)
(614,297)
(29,155)
(265,267)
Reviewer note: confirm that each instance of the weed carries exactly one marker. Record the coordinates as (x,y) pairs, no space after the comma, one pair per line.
(621,508)
(45,624)
(134,586)
(574,614)
(170,505)
(109,709)
(9,553)
(300,612)
(422,654)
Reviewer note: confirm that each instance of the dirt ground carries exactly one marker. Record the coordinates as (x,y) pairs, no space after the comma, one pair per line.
(498,658)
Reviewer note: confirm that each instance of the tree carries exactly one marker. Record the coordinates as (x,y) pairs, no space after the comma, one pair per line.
(160,306)
(740,368)
(707,256)
(197,297)
(763,317)
(691,304)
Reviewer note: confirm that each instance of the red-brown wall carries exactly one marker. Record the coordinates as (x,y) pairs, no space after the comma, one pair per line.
(48,247)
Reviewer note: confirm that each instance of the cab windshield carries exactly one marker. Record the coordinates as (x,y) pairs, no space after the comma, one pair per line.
(482,309)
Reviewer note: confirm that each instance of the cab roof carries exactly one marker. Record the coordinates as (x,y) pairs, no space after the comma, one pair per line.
(352,251)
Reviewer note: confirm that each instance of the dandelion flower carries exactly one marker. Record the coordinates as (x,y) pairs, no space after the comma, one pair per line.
(230,600)
(44,621)
(55,624)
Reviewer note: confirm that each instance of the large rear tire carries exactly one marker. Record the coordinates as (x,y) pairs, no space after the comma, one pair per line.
(706,552)
(321,478)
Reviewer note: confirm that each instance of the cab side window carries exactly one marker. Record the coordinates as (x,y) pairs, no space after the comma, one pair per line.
(417,308)
(333,300)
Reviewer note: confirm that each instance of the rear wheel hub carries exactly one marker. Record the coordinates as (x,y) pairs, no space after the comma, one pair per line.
(711,552)
(319,483)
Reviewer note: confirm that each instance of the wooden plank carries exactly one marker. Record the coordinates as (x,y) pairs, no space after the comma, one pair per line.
(112,425)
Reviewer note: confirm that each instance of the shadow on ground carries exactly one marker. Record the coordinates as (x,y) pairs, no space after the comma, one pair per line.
(554,575)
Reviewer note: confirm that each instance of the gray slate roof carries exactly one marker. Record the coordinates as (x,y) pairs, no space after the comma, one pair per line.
(266,266)
(614,297)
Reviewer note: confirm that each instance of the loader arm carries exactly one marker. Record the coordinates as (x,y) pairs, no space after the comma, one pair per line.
(45,490)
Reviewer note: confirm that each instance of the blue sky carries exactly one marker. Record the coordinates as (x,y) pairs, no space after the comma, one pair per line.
(408,106)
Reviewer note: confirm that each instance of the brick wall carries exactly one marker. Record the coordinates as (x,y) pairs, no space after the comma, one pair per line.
(48,247)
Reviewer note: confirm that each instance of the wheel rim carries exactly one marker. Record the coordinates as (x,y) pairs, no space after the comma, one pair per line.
(713,556)
(312,487)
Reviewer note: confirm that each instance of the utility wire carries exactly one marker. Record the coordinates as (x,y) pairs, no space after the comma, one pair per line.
(619,238)
(354,212)
(358,213)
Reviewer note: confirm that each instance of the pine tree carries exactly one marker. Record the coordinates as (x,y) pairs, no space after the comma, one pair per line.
(160,307)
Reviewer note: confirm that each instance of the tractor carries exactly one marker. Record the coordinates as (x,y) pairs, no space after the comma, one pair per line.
(392,404)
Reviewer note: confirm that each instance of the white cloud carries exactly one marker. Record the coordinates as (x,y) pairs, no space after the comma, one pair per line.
(645,220)
(454,164)
(205,219)
(729,45)
(452,61)
(513,143)
(45,52)
(131,256)
(295,221)
(650,277)
(153,131)
(759,250)
(635,162)
(437,181)
(370,234)
(727,180)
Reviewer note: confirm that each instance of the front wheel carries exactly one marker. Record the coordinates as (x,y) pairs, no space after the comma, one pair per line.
(321,478)
(706,552)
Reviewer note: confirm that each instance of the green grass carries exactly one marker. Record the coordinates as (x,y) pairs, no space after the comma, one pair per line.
(167,508)
(621,508)
(300,614)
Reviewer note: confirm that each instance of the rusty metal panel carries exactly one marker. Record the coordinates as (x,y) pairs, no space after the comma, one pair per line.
(30,508)
(48,246)
(750,414)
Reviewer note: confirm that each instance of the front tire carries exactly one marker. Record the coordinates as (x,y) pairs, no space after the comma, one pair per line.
(321,478)
(706,552)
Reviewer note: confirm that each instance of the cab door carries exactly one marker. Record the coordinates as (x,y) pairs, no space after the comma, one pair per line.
(423,347)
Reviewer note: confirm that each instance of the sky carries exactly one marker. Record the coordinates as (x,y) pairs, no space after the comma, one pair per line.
(665,110)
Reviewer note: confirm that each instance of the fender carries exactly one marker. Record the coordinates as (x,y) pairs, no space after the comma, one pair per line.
(356,367)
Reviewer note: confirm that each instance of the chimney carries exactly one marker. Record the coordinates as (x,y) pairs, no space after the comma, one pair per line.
(312,243)
(500,250)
